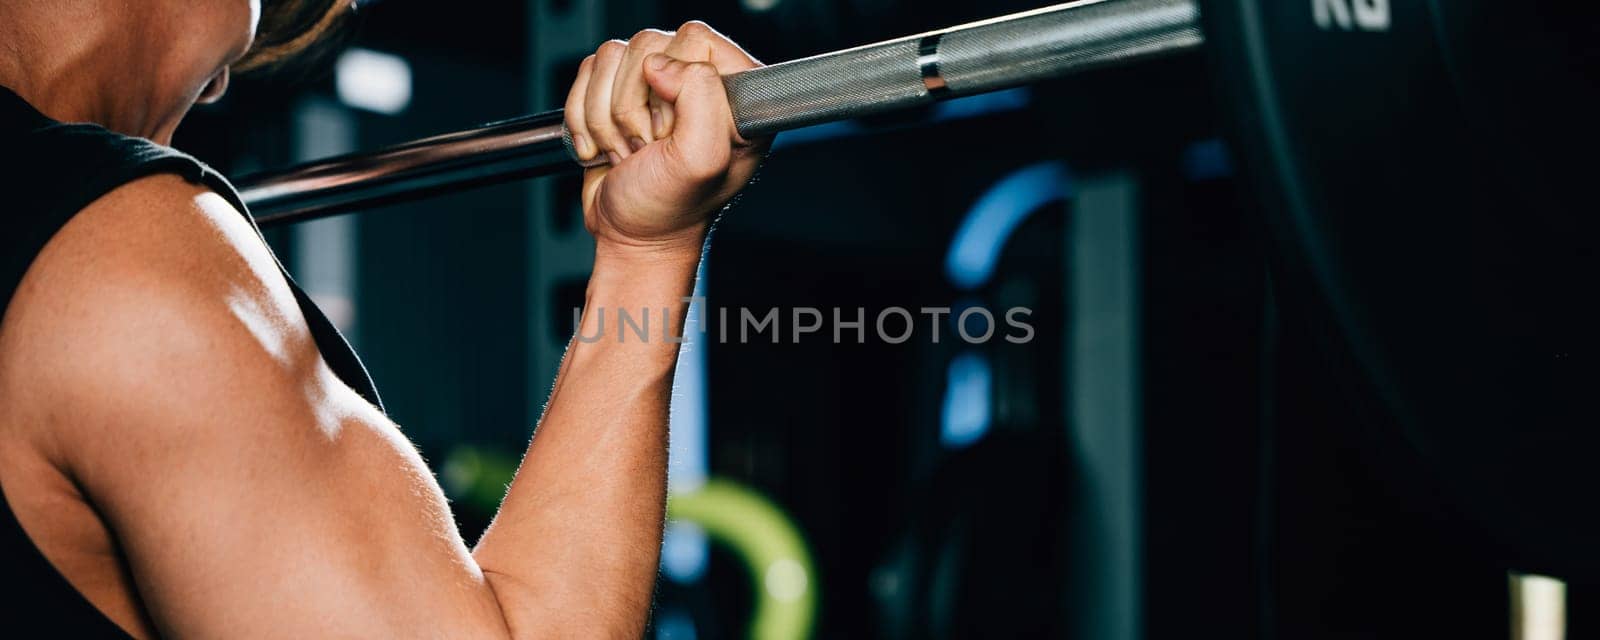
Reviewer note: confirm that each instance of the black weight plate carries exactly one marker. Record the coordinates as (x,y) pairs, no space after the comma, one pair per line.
(1427,169)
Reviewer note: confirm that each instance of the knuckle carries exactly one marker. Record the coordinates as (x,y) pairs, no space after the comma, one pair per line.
(695,29)
(645,36)
(611,49)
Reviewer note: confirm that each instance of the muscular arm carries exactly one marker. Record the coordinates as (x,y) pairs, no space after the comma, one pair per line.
(171,377)
(174,381)
(602,444)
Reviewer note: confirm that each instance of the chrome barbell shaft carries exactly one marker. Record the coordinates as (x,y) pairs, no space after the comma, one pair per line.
(973,58)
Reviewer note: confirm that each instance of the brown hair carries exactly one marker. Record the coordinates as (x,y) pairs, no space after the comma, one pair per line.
(291,28)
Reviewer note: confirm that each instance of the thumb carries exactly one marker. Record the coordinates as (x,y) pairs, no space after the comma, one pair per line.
(702,134)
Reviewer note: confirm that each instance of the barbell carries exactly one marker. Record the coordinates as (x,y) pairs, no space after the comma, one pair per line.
(1424,168)
(895,74)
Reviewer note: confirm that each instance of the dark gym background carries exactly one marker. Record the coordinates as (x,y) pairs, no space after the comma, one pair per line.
(1160,461)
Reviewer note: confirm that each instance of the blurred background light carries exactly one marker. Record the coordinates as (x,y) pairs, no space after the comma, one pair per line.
(675,624)
(1538,607)
(989,223)
(478,475)
(786,579)
(686,444)
(684,549)
(774,553)
(374,81)
(965,416)
(983,104)
(684,552)
(1207,160)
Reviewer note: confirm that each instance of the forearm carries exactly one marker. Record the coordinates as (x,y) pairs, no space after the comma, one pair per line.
(576,541)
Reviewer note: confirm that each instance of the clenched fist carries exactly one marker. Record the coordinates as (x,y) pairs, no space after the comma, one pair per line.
(655,107)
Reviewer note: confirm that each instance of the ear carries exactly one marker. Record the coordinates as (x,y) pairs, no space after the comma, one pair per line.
(214,89)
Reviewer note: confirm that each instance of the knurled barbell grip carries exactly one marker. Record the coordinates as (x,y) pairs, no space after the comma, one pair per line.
(973,58)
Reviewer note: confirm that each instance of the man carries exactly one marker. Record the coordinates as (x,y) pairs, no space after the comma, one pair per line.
(186,441)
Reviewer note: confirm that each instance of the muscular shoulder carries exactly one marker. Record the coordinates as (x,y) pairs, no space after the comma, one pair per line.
(155,303)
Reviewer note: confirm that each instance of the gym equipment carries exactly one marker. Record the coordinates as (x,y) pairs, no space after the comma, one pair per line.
(974,58)
(1421,164)
(1424,166)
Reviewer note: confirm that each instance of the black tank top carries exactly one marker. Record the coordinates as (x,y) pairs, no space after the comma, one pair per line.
(53,170)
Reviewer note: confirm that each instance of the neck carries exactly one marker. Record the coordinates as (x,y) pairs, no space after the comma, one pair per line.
(81,61)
